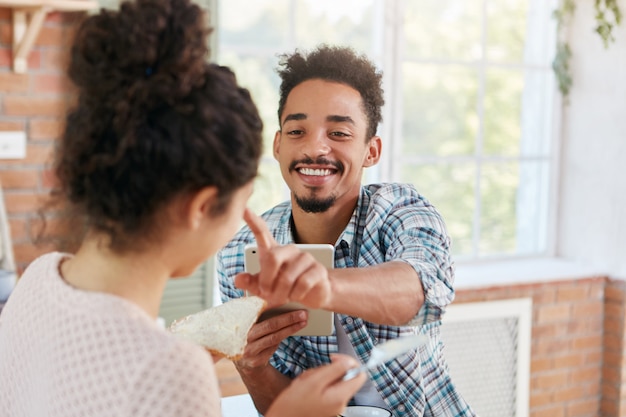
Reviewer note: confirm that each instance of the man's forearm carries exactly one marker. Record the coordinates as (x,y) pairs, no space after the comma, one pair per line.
(263,384)
(390,293)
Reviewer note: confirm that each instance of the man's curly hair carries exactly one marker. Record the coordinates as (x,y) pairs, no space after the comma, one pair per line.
(337,64)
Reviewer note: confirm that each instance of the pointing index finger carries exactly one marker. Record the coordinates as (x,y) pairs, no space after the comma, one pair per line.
(262,234)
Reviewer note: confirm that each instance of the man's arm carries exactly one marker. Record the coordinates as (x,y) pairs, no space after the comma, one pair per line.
(389,293)
(264,383)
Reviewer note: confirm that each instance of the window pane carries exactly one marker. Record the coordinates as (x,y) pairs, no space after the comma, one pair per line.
(537,114)
(532,207)
(499,184)
(514,207)
(257,74)
(439,108)
(506,30)
(443,29)
(502,107)
(520,31)
(450,188)
(269,188)
(346,22)
(262,24)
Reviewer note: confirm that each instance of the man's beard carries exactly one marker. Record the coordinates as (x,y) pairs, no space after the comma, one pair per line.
(315,205)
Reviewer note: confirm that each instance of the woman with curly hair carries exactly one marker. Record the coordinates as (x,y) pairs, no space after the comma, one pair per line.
(156,162)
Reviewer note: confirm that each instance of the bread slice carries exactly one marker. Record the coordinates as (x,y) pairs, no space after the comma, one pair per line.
(222,330)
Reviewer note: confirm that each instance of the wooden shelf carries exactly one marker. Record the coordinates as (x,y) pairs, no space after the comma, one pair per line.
(28,17)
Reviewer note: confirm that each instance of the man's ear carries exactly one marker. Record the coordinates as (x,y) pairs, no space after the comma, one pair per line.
(276,144)
(374,147)
(200,205)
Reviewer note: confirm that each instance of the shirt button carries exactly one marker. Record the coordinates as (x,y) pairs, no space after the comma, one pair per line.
(349,320)
(401,407)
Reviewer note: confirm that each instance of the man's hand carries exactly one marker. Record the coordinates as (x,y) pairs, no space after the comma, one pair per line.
(264,338)
(287,273)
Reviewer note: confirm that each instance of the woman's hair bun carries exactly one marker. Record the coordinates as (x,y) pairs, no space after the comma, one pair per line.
(148,52)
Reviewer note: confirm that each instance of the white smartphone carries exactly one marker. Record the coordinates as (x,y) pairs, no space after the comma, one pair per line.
(320,322)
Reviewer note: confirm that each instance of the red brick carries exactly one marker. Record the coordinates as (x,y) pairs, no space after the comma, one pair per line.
(614,325)
(56,59)
(612,342)
(7,126)
(34,106)
(591,375)
(614,310)
(611,375)
(46,128)
(610,391)
(589,407)
(544,295)
(6,33)
(48,179)
(21,179)
(539,399)
(23,202)
(25,253)
(548,331)
(6,14)
(11,82)
(571,360)
(538,365)
(549,411)
(34,59)
(572,293)
(585,310)
(613,357)
(609,408)
(587,342)
(593,358)
(17,226)
(591,325)
(550,346)
(5,57)
(50,35)
(550,381)
(553,313)
(568,394)
(615,292)
(51,83)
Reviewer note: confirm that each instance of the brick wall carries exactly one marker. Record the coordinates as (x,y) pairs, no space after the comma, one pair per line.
(577,358)
(34,102)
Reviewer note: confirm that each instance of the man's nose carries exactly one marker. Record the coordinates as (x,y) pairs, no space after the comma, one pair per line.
(316,144)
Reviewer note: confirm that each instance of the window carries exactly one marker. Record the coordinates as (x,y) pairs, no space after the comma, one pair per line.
(469,91)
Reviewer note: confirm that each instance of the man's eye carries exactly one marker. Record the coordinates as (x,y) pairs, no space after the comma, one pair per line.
(294,132)
(339,134)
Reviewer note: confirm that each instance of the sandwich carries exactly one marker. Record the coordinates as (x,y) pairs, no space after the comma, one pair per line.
(223,329)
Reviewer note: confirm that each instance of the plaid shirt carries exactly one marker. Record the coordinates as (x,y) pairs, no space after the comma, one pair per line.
(391,222)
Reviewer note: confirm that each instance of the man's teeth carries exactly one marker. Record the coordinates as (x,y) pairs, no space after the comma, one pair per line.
(316,172)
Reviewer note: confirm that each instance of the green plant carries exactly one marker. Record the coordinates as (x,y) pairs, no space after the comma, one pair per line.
(608,17)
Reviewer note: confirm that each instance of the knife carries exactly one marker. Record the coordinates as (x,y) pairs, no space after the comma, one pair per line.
(388,351)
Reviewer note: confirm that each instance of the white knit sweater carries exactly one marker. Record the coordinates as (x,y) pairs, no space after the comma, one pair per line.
(65,352)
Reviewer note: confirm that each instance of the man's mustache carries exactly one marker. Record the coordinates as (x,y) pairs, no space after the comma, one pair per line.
(319,161)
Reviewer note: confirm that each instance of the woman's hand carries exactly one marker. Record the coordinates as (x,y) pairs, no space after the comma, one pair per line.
(318,392)
(287,273)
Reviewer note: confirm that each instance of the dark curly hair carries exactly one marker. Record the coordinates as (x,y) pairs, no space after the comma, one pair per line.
(153,120)
(337,64)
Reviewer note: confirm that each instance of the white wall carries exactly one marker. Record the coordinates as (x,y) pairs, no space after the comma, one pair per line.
(592,207)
